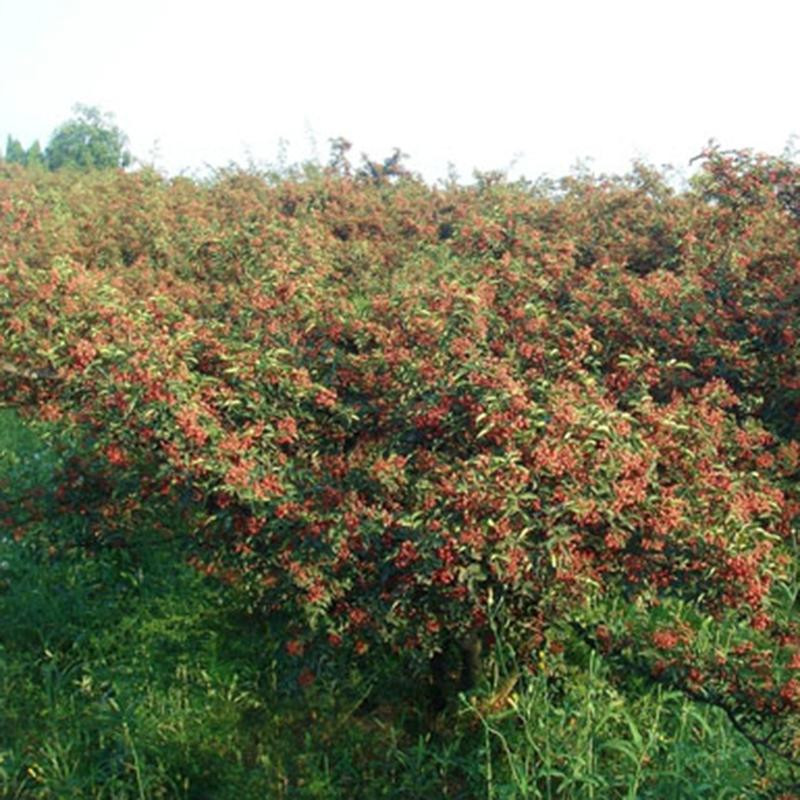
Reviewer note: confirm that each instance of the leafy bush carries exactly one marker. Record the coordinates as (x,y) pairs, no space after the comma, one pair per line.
(421,419)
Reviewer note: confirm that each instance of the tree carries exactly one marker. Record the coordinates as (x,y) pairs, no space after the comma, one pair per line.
(34,157)
(423,442)
(15,152)
(90,140)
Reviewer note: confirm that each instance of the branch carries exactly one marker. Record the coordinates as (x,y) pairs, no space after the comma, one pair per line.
(29,374)
(640,667)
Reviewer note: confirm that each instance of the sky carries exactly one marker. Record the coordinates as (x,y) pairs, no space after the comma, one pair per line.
(528,87)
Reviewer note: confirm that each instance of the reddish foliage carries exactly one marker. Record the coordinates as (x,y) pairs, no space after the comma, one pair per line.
(402,410)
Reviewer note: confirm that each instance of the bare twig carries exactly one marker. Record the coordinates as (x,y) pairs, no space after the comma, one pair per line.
(29,374)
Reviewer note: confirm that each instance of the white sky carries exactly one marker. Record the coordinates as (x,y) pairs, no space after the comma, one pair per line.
(478,84)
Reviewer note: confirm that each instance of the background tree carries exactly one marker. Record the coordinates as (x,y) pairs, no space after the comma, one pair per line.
(91,140)
(34,157)
(15,152)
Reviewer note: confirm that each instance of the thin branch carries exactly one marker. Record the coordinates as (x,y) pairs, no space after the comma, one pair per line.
(29,374)
(716,701)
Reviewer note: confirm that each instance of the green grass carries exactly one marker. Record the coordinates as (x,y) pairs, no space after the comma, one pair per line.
(130,675)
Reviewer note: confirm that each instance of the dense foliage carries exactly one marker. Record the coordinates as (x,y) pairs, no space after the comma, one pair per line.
(415,417)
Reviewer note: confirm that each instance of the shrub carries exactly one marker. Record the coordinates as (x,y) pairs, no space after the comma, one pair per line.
(572,411)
